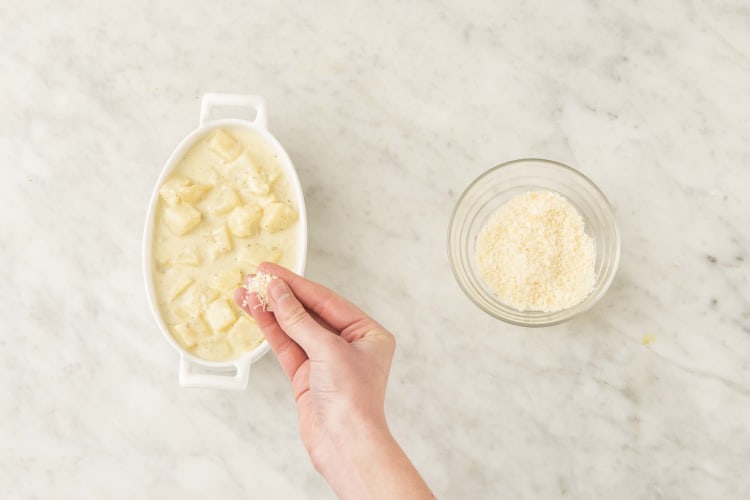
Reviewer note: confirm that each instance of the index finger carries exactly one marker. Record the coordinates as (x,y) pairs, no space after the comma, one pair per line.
(288,352)
(331,307)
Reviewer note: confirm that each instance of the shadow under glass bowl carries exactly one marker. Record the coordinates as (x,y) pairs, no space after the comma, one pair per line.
(497,186)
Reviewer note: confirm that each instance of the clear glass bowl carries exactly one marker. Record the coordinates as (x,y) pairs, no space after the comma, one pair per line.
(497,186)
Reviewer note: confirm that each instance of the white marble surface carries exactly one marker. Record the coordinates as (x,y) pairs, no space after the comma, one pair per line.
(388,109)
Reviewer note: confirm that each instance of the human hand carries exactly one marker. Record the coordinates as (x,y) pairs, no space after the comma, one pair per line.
(338,360)
(336,357)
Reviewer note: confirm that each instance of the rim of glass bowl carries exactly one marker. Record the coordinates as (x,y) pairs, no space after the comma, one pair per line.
(529,318)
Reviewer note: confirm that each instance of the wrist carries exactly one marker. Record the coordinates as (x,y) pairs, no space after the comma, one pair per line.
(366,463)
(350,444)
(358,460)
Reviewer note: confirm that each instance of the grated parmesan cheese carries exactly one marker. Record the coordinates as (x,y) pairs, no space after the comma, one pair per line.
(258,285)
(535,255)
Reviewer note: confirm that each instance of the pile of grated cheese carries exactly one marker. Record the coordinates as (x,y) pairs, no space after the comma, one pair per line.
(535,255)
(258,285)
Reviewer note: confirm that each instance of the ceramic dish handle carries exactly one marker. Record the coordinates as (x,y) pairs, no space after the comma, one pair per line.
(255,102)
(228,381)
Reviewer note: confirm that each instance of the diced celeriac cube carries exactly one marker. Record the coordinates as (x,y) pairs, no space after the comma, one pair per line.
(248,259)
(248,177)
(181,286)
(271,174)
(194,301)
(244,221)
(277,217)
(250,256)
(225,145)
(187,257)
(243,164)
(219,241)
(162,263)
(226,281)
(219,315)
(170,190)
(266,200)
(222,200)
(188,334)
(256,185)
(272,254)
(193,193)
(181,218)
(245,334)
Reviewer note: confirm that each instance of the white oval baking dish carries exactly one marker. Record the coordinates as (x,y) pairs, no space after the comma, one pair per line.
(193,371)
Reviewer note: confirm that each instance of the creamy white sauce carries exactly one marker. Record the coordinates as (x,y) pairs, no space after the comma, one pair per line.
(226,207)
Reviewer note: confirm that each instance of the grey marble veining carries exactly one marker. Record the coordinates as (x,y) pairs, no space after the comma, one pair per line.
(388,110)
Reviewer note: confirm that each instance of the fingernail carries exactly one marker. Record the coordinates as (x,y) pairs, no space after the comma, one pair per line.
(278,289)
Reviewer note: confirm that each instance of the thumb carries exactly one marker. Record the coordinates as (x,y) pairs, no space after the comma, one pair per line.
(296,322)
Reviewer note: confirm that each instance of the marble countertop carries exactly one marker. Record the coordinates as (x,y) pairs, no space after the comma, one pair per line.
(389,110)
